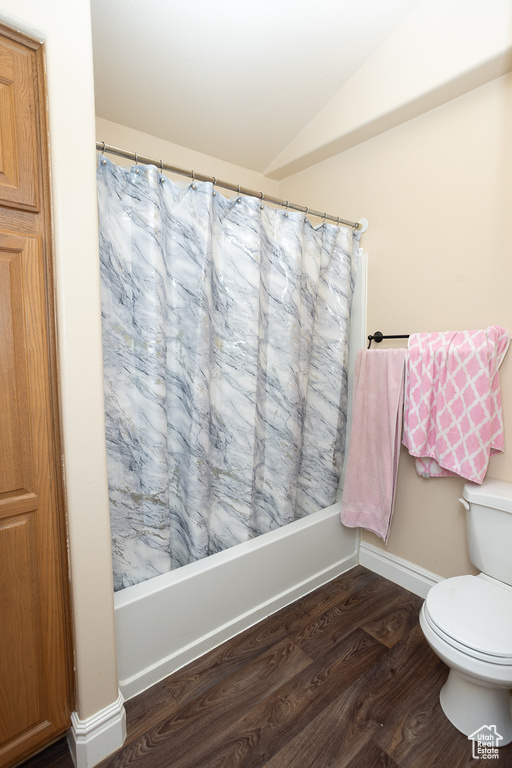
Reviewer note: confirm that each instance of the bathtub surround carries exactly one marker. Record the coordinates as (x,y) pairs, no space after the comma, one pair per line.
(167,622)
(225,329)
(213,599)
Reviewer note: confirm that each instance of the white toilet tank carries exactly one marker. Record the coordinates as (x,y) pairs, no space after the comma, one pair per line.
(489,527)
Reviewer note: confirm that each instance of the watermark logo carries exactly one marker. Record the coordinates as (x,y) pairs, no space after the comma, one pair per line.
(486,741)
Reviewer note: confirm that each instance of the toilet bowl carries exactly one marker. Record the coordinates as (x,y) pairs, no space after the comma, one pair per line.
(467,620)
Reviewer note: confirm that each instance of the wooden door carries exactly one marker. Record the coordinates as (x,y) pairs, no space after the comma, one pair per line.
(19,156)
(34,625)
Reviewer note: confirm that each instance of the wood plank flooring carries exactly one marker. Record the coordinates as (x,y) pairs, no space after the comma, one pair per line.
(343,678)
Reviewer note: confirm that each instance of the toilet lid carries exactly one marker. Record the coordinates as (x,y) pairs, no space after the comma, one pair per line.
(476,613)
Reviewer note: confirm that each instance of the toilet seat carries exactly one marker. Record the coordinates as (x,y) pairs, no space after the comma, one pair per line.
(474,615)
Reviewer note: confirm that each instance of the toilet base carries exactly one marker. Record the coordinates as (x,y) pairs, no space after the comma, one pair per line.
(469,706)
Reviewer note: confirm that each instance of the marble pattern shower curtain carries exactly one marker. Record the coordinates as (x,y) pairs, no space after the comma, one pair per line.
(225,333)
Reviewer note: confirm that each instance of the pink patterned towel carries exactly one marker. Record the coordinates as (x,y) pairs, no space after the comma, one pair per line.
(452,416)
(372,465)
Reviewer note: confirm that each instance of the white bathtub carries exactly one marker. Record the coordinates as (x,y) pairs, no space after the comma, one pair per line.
(166,622)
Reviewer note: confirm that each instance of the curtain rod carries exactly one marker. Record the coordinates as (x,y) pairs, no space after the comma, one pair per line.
(102,147)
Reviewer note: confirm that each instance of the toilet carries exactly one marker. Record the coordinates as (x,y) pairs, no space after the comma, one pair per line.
(467,620)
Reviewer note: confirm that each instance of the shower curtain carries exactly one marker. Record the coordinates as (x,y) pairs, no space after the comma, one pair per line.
(225,336)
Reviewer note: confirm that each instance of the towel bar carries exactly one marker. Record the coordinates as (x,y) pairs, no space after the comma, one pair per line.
(378,336)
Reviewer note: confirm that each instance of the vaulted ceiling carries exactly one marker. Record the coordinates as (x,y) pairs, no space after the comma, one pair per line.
(234,79)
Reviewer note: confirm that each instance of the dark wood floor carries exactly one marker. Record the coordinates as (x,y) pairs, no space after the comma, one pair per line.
(343,678)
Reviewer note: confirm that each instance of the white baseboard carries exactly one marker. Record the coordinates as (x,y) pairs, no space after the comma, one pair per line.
(401,572)
(93,739)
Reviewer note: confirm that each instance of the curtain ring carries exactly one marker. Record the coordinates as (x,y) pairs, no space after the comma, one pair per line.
(306,211)
(261,195)
(239,189)
(214,180)
(337,220)
(137,170)
(193,176)
(136,161)
(103,150)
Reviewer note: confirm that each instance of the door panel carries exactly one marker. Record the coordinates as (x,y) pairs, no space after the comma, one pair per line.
(19,176)
(20,629)
(15,459)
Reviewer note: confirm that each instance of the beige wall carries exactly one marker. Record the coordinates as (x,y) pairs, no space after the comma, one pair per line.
(135,141)
(437,192)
